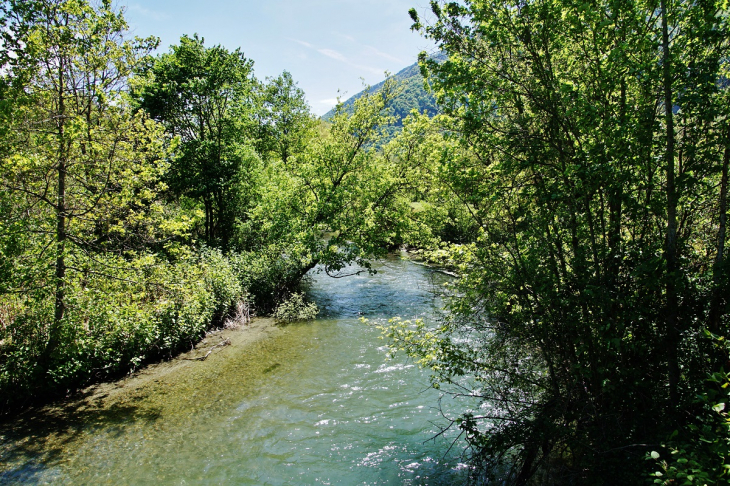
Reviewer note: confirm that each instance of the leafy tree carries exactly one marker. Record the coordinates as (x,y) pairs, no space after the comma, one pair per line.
(337,202)
(286,121)
(342,185)
(591,150)
(80,172)
(205,96)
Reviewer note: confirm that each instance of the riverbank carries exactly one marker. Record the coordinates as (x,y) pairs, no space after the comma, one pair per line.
(118,325)
(439,260)
(216,346)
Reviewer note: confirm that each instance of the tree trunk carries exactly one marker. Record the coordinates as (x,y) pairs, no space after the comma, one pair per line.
(718,270)
(59,304)
(671,311)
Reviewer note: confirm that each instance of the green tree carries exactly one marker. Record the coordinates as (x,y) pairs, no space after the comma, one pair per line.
(286,121)
(340,201)
(206,97)
(78,167)
(343,186)
(592,148)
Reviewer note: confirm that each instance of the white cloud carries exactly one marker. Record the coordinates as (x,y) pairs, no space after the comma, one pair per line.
(339,57)
(145,12)
(374,70)
(304,43)
(345,36)
(333,54)
(384,55)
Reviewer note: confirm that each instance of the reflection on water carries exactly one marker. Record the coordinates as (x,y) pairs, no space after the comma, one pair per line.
(314,403)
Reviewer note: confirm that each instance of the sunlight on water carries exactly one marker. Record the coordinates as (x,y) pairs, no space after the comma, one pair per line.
(313,403)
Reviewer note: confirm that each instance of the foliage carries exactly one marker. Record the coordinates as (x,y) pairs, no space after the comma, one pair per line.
(83,296)
(81,171)
(438,213)
(339,200)
(150,309)
(590,148)
(106,195)
(295,308)
(205,96)
(268,275)
(286,123)
(700,456)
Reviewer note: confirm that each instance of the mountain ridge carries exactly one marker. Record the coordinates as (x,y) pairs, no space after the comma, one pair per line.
(413,95)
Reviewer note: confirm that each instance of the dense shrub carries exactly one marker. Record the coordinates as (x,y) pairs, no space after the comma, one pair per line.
(114,322)
(268,277)
(295,308)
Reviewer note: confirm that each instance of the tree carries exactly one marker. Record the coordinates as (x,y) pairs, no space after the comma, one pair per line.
(80,170)
(286,121)
(205,96)
(344,186)
(338,202)
(592,156)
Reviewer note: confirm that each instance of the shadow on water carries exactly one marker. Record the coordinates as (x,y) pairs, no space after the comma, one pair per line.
(36,440)
(392,293)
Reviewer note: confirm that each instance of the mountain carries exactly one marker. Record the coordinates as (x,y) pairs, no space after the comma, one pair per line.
(414,95)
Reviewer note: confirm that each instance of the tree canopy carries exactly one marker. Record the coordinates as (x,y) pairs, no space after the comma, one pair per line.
(206,97)
(589,143)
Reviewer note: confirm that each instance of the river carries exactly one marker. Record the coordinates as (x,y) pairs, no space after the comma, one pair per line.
(310,403)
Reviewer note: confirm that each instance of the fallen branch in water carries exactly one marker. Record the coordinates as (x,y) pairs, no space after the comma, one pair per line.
(203,358)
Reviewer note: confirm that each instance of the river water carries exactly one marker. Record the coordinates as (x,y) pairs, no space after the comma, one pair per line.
(311,403)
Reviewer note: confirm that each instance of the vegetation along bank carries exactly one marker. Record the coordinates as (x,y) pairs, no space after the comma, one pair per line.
(573,172)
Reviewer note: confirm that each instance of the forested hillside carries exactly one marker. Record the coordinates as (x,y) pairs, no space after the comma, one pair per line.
(412,95)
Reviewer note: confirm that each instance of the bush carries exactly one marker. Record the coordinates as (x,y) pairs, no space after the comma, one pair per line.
(700,454)
(296,309)
(146,309)
(223,281)
(268,277)
(122,312)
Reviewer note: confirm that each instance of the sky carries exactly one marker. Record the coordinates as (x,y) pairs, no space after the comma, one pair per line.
(326,45)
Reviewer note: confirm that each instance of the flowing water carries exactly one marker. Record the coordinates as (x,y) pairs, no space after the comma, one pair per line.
(310,403)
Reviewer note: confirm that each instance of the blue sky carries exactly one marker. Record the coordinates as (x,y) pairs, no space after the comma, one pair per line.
(327,45)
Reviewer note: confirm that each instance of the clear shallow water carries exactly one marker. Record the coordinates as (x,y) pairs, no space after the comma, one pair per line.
(314,403)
